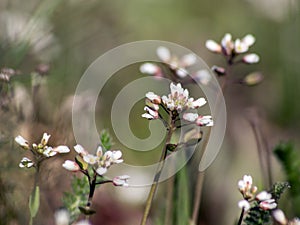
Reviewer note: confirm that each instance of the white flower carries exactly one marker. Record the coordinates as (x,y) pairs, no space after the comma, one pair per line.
(251,58)
(61,149)
(151,105)
(227,44)
(148,116)
(62,217)
(154,98)
(151,112)
(48,152)
(101,170)
(205,121)
(116,157)
(244,204)
(246,183)
(249,39)
(176,64)
(152,69)
(45,139)
(90,159)
(121,180)
(213,46)
(268,204)
(240,47)
(163,53)
(71,166)
(80,150)
(263,196)
(198,103)
(25,162)
(202,76)
(279,216)
(22,142)
(191,117)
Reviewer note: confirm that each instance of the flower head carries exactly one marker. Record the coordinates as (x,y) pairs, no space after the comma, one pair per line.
(121,180)
(245,187)
(22,142)
(26,163)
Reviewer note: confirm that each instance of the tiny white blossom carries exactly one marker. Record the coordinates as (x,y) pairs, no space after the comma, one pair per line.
(244,204)
(61,149)
(101,170)
(249,39)
(90,159)
(45,139)
(80,150)
(202,76)
(22,142)
(191,117)
(121,180)
(240,47)
(62,217)
(268,204)
(48,152)
(71,165)
(148,116)
(151,112)
(154,98)
(163,53)
(151,105)
(263,196)
(151,69)
(251,58)
(227,44)
(205,121)
(213,46)
(25,162)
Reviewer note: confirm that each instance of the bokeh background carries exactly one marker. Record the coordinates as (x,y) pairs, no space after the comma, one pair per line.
(69,35)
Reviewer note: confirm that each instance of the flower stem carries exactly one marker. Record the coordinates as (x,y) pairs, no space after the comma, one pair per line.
(157,175)
(241,217)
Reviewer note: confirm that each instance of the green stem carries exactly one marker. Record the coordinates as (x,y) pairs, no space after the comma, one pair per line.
(157,175)
(169,205)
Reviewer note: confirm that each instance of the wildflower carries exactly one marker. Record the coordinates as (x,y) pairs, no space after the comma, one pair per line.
(25,162)
(263,196)
(45,139)
(245,187)
(177,65)
(179,99)
(62,217)
(204,121)
(71,166)
(151,69)
(213,46)
(251,58)
(121,180)
(268,204)
(191,117)
(227,44)
(22,142)
(244,204)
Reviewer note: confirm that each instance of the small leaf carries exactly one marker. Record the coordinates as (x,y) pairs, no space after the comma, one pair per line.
(82,164)
(34,201)
(106,140)
(86,210)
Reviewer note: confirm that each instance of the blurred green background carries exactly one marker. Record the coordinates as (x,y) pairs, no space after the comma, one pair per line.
(70,35)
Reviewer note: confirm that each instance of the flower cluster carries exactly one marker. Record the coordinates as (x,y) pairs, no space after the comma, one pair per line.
(178,101)
(230,49)
(40,151)
(99,163)
(234,52)
(263,199)
(177,66)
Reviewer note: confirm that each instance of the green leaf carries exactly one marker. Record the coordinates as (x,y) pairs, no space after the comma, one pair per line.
(106,140)
(81,163)
(34,201)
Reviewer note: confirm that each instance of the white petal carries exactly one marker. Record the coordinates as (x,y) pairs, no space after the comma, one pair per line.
(80,150)
(205,121)
(279,216)
(182,73)
(262,196)
(22,142)
(202,76)
(163,53)
(188,60)
(148,116)
(45,138)
(249,39)
(213,46)
(153,97)
(198,103)
(247,179)
(153,113)
(62,149)
(71,165)
(99,151)
(191,117)
(244,204)
(90,159)
(240,47)
(149,68)
(101,170)
(62,217)
(251,58)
